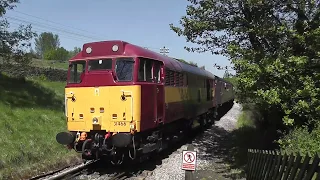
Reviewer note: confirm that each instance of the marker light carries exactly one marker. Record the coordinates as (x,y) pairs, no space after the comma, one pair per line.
(115,48)
(89,50)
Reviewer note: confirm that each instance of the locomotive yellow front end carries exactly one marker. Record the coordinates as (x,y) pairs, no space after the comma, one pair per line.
(105,108)
(102,103)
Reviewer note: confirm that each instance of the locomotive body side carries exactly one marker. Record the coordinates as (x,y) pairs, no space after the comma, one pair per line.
(123,99)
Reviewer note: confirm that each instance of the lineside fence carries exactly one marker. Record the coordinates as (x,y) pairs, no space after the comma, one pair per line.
(275,165)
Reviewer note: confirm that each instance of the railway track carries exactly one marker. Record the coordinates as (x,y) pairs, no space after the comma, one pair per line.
(136,172)
(65,172)
(76,172)
(119,176)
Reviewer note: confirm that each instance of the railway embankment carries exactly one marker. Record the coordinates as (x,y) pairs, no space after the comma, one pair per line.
(31,114)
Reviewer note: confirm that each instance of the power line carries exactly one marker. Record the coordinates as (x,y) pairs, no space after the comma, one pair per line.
(66,25)
(53,22)
(50,27)
(40,30)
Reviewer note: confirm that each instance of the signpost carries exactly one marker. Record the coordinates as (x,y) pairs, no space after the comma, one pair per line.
(189,159)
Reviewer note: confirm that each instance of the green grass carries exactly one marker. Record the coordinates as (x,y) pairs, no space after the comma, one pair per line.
(245,120)
(31,115)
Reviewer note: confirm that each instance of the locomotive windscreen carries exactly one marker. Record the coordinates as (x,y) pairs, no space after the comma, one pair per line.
(124,69)
(99,64)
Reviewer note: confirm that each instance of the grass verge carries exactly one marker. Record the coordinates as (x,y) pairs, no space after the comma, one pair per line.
(249,134)
(31,115)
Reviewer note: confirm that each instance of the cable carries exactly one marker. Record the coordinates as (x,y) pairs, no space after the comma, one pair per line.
(50,27)
(53,22)
(40,30)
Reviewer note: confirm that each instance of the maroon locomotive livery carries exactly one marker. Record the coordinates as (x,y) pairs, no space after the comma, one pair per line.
(122,99)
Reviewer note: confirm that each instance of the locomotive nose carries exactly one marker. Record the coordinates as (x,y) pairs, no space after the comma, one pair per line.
(65,138)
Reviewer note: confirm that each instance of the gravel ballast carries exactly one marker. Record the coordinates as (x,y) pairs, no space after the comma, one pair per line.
(208,162)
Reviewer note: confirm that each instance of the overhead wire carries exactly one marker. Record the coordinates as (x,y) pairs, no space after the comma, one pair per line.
(62,30)
(54,22)
(50,27)
(39,30)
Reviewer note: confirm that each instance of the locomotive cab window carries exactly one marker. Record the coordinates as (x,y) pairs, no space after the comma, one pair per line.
(124,69)
(100,64)
(76,71)
(157,72)
(146,70)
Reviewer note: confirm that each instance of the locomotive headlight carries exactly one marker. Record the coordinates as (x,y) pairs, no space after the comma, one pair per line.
(115,48)
(95,120)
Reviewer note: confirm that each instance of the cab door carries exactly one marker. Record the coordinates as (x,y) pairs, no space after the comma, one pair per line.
(159,91)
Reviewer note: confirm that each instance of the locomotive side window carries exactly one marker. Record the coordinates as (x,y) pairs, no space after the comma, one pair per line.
(100,64)
(77,69)
(124,69)
(157,73)
(145,70)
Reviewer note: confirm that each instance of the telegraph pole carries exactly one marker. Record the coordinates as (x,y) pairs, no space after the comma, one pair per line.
(226,68)
(164,50)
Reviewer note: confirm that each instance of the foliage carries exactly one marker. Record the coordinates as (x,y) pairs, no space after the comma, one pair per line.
(186,62)
(45,42)
(232,80)
(227,74)
(19,71)
(273,45)
(33,54)
(54,64)
(57,54)
(13,45)
(74,52)
(301,140)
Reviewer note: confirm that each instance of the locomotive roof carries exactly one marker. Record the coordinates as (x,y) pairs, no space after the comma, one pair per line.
(104,48)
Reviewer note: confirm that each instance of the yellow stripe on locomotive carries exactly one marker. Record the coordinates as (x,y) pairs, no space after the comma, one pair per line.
(110,108)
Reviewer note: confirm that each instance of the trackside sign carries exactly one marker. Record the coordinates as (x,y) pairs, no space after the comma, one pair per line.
(189,159)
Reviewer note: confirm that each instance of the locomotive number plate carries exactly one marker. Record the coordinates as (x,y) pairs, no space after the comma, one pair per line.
(120,124)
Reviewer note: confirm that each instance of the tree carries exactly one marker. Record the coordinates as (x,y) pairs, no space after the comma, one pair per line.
(74,52)
(273,45)
(57,54)
(13,45)
(186,62)
(45,42)
(227,74)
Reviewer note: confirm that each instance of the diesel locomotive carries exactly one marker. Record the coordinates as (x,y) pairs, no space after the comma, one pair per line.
(122,100)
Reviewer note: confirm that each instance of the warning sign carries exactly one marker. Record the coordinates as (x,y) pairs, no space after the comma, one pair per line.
(189,160)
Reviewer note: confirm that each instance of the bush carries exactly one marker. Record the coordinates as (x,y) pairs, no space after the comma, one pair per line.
(50,74)
(302,141)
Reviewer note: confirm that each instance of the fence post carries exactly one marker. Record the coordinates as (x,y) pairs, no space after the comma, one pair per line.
(188,173)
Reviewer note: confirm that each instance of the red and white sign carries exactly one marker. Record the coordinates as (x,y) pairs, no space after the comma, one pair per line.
(189,160)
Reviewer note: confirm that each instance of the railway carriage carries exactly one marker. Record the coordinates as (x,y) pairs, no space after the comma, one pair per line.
(122,100)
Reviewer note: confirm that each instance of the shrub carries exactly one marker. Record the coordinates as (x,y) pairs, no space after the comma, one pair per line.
(301,140)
